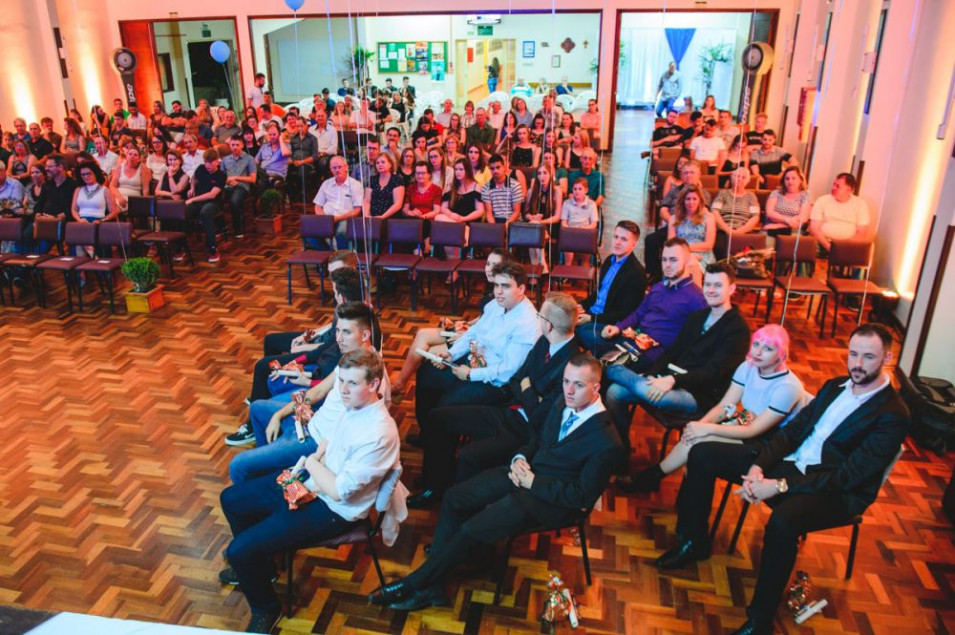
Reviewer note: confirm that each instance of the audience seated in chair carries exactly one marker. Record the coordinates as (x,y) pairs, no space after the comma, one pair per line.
(692,375)
(620,288)
(203,202)
(762,398)
(839,215)
(653,243)
(558,473)
(822,469)
(735,210)
(341,197)
(662,312)
(503,194)
(241,174)
(273,155)
(347,454)
(485,357)
(497,431)
(768,159)
(302,160)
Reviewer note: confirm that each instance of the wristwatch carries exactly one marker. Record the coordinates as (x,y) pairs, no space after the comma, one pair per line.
(782,486)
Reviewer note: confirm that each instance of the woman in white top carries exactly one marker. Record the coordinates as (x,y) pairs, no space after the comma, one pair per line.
(130,178)
(441,174)
(156,161)
(92,200)
(764,394)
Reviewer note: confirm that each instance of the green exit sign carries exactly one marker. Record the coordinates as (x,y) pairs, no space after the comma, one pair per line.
(485,30)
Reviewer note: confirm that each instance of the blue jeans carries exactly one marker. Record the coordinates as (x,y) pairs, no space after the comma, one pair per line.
(491,84)
(590,340)
(664,105)
(271,457)
(262,526)
(261,411)
(627,387)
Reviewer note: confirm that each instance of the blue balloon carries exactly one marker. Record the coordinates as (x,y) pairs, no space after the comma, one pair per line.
(294,5)
(220,51)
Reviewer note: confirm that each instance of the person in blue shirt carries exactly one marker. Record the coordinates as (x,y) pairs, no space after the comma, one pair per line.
(620,287)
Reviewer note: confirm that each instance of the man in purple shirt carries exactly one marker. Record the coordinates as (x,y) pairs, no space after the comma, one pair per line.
(662,313)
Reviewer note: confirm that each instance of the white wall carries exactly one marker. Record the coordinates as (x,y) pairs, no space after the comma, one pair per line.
(190,31)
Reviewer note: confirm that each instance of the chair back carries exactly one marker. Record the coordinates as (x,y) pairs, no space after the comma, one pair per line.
(525,235)
(762,196)
(171,211)
(448,234)
(850,253)
(890,466)
(786,249)
(113,234)
(80,234)
(387,487)
(488,235)
(361,228)
(743,242)
(771,181)
(709,181)
(46,229)
(139,207)
(577,240)
(317,226)
(404,231)
(10,229)
(669,155)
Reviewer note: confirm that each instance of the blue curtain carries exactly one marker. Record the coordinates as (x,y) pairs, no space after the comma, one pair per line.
(679,41)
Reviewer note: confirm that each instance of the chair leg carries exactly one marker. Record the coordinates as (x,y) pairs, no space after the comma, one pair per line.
(69,292)
(414,290)
(739,528)
(79,288)
(503,574)
(374,559)
(835,313)
(289,582)
(822,323)
(321,283)
(109,290)
(454,294)
(583,550)
(719,511)
(852,550)
(290,284)
(308,281)
(663,444)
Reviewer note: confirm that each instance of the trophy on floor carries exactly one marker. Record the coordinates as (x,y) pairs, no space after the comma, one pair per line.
(798,599)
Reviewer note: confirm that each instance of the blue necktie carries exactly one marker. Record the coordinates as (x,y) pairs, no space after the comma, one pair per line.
(565,427)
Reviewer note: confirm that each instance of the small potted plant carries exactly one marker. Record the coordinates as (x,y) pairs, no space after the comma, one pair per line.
(146,295)
(270,222)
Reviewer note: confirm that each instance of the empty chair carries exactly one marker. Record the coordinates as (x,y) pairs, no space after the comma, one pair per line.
(528,236)
(169,213)
(364,234)
(844,256)
(74,235)
(444,235)
(404,233)
(141,210)
(111,234)
(794,251)
(579,241)
(481,236)
(313,228)
(23,265)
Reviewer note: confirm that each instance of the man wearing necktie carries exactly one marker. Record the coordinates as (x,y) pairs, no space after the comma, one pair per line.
(549,483)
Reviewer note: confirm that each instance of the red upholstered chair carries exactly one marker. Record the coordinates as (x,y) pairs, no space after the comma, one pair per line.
(528,236)
(577,240)
(444,235)
(481,236)
(794,251)
(111,234)
(844,256)
(315,227)
(403,233)
(169,214)
(74,235)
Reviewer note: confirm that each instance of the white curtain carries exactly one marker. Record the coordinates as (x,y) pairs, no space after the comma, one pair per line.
(647,57)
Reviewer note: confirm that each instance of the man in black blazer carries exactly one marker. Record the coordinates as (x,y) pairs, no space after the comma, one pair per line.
(620,287)
(822,469)
(694,373)
(498,430)
(549,483)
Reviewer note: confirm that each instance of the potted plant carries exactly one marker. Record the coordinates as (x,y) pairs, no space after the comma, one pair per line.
(710,56)
(146,295)
(270,222)
(356,62)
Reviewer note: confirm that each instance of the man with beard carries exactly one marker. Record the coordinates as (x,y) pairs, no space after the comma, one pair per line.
(820,470)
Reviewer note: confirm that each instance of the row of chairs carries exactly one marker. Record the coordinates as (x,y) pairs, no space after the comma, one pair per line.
(397,244)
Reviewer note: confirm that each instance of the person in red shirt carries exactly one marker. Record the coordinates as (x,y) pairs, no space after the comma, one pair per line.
(422,198)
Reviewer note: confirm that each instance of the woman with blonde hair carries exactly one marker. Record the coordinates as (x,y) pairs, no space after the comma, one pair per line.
(579,143)
(131,177)
(788,207)
(692,222)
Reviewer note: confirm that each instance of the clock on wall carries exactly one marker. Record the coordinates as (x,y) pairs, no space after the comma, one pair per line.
(125,62)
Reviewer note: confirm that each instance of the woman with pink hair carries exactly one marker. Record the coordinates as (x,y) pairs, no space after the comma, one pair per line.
(764,394)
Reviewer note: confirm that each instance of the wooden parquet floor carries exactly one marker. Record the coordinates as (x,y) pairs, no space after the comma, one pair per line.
(112,462)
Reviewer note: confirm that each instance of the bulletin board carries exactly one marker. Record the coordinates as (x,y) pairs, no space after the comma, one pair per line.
(426,58)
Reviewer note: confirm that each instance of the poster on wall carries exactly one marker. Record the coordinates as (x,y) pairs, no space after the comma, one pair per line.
(437,70)
(528,48)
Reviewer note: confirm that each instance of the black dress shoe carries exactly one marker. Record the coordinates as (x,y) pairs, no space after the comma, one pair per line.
(754,627)
(425,499)
(394,592)
(644,482)
(683,554)
(263,622)
(432,596)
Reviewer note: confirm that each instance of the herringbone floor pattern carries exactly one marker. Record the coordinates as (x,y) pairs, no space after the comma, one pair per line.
(112,464)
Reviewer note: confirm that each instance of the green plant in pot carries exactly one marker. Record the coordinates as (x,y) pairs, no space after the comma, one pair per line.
(146,295)
(270,202)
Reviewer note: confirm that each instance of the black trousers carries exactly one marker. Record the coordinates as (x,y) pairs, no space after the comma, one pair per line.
(495,431)
(437,388)
(793,515)
(653,250)
(482,510)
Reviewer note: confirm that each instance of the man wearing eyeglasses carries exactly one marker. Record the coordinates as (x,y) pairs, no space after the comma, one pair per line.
(497,431)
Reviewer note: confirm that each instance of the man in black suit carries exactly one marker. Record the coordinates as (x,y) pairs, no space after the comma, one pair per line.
(620,287)
(549,483)
(820,470)
(498,430)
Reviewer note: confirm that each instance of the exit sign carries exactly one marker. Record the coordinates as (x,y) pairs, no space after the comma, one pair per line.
(485,30)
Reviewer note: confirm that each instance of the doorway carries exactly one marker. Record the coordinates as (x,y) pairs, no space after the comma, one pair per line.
(209,79)
(477,55)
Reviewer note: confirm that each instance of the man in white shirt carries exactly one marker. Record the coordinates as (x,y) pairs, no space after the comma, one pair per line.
(495,115)
(108,159)
(726,130)
(340,196)
(820,470)
(256,97)
(136,120)
(191,158)
(327,142)
(561,471)
(346,458)
(708,147)
(485,357)
(364,117)
(444,117)
(839,215)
